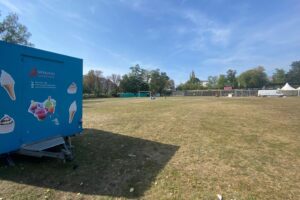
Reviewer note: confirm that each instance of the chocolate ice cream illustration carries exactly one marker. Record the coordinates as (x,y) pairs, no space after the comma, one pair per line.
(8,83)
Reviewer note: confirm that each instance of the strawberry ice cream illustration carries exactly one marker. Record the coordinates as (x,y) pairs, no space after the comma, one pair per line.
(40,113)
(8,83)
(42,110)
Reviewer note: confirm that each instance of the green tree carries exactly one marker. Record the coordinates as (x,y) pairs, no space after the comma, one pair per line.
(86,88)
(171,84)
(212,82)
(159,81)
(231,78)
(115,79)
(193,79)
(293,75)
(222,81)
(180,86)
(193,83)
(253,78)
(92,82)
(130,84)
(141,74)
(135,81)
(279,77)
(14,32)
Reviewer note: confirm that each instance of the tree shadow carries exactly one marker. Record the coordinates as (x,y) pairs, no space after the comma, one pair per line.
(105,164)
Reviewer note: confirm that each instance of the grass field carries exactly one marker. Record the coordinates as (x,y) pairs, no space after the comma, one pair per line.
(174,148)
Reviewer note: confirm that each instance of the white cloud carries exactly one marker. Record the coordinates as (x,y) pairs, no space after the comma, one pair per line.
(10,6)
(196,17)
(220,36)
(197,32)
(209,30)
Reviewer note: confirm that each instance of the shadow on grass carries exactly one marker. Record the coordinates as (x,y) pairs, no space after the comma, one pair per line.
(105,164)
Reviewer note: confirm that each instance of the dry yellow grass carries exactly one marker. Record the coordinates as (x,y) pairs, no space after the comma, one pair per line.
(174,148)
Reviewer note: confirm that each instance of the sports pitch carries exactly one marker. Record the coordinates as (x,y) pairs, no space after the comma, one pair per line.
(173,148)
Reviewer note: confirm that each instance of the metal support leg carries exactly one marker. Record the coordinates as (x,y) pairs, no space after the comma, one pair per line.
(9,161)
(41,149)
(68,149)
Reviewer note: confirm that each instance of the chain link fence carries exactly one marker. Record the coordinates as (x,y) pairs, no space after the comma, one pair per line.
(221,93)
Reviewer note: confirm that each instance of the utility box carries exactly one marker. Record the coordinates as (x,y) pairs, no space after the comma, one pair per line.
(40,96)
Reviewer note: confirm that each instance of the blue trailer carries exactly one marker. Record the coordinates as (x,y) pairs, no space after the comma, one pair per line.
(40,101)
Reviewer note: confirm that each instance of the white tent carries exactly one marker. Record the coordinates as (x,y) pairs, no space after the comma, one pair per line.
(298,88)
(287,87)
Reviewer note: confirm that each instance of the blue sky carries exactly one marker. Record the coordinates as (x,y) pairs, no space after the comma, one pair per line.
(177,36)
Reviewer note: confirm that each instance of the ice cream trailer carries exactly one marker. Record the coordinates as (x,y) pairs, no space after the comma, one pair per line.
(40,101)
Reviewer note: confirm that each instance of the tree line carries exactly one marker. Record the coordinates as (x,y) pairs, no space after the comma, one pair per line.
(252,78)
(137,80)
(155,81)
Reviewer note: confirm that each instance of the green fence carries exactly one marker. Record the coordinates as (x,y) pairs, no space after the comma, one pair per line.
(130,94)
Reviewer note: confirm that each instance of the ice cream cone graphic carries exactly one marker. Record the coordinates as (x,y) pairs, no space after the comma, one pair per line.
(10,89)
(8,83)
(71,116)
(72,111)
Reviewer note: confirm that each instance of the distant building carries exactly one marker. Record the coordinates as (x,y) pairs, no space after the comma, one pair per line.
(204,83)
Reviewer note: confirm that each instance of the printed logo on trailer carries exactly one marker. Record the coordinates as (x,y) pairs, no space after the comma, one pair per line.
(33,72)
(41,74)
